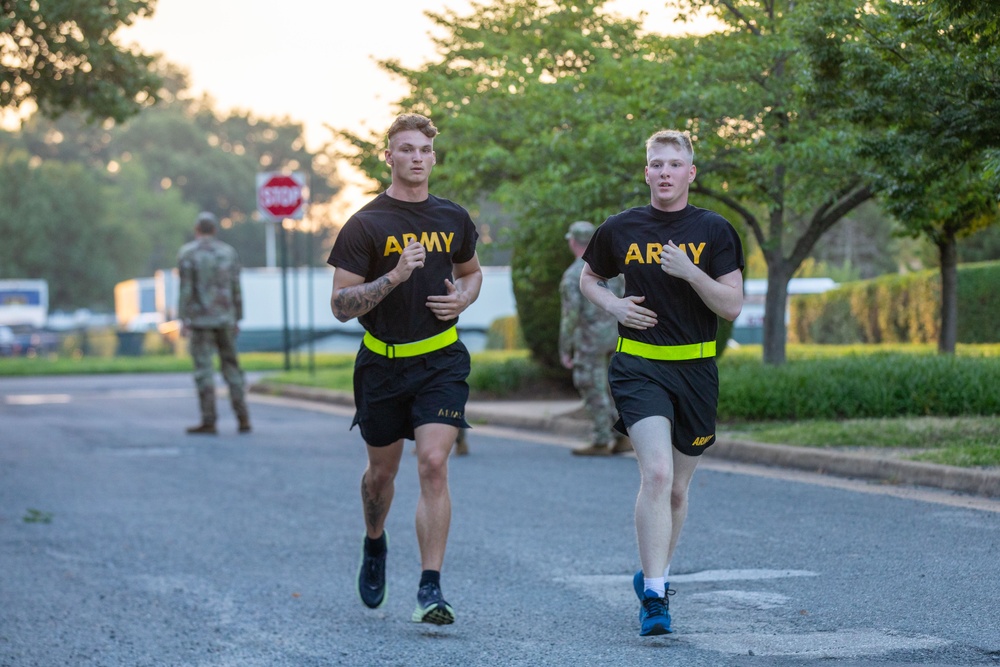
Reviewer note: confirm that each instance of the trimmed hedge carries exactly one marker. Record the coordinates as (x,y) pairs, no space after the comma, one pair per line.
(899,309)
(859,386)
(505,334)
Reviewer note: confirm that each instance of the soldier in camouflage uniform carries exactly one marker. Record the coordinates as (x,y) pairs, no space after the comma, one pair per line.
(210,308)
(587,337)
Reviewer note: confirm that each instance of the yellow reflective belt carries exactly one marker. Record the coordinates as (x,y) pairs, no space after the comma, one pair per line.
(414,349)
(667,352)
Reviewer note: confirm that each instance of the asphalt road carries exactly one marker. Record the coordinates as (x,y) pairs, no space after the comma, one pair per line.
(125,543)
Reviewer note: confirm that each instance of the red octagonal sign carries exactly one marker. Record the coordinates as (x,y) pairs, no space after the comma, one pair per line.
(280,196)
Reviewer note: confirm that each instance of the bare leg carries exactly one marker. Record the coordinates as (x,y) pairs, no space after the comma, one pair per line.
(378,486)
(653,518)
(684,467)
(434,442)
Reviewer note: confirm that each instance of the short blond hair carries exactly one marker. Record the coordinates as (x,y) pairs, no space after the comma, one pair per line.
(680,140)
(412,121)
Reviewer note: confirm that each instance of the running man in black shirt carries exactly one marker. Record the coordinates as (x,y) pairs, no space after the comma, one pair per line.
(406,267)
(683,269)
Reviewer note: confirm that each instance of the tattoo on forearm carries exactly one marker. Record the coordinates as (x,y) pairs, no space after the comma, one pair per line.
(602,283)
(359,299)
(374,508)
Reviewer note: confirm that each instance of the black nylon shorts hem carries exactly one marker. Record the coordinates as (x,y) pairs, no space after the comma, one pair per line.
(686,393)
(395,396)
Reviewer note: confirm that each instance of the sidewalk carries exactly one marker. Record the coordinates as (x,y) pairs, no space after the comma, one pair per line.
(557,417)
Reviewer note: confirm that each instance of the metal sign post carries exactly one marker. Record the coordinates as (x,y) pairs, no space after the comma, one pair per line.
(280,196)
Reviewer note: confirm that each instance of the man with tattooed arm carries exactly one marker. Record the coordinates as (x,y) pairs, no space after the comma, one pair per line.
(406,267)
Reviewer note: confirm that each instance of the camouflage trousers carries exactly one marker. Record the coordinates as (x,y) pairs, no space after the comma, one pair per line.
(203,345)
(590,377)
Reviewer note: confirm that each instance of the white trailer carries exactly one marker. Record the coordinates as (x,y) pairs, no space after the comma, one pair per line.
(24,303)
(308,303)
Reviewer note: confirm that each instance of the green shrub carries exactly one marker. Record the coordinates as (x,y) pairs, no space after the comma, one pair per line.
(153,342)
(504,377)
(90,343)
(722,336)
(832,323)
(899,308)
(978,305)
(505,334)
(859,386)
(540,256)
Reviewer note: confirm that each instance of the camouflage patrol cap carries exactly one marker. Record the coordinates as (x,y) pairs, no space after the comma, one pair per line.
(580,231)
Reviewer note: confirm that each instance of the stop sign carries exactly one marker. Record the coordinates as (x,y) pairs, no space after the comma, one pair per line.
(280,196)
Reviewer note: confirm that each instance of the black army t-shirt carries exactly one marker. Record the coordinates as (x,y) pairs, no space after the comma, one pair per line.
(371,243)
(629,243)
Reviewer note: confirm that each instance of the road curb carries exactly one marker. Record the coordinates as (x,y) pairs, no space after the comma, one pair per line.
(825,461)
(849,464)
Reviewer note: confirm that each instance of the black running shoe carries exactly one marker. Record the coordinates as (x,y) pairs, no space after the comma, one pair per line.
(372,588)
(431,607)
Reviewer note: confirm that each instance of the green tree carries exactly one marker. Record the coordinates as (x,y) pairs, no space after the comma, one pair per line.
(88,205)
(783,164)
(155,221)
(536,103)
(547,106)
(863,245)
(979,18)
(922,83)
(55,226)
(185,144)
(213,159)
(62,55)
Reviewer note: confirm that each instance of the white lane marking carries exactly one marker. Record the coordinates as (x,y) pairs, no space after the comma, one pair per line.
(717,609)
(729,599)
(926,495)
(144,451)
(144,393)
(47,399)
(815,645)
(694,577)
(37,399)
(739,575)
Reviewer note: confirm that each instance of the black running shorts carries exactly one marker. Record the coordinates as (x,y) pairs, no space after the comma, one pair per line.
(395,396)
(685,392)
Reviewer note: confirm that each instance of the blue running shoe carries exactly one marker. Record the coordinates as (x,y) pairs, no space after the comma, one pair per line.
(431,607)
(639,582)
(638,585)
(372,588)
(654,617)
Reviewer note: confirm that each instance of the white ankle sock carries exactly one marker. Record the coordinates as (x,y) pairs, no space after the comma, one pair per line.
(654,584)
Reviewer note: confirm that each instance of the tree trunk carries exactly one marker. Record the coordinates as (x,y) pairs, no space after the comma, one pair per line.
(948,252)
(775,302)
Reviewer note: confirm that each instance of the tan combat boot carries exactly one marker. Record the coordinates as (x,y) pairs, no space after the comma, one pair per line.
(597,449)
(622,445)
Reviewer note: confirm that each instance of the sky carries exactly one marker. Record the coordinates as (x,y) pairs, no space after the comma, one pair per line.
(311,60)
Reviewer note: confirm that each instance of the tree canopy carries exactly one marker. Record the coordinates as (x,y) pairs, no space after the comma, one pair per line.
(920,79)
(88,205)
(546,106)
(62,55)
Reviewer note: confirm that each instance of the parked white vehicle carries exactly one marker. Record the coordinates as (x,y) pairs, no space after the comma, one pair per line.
(24,303)
(8,342)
